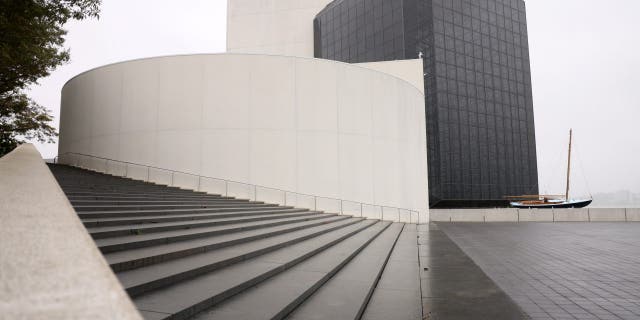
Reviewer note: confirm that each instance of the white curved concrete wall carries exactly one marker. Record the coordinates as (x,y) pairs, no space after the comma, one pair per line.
(306,125)
(282,27)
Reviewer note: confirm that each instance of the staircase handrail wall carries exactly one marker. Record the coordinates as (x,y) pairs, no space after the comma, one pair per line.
(226,187)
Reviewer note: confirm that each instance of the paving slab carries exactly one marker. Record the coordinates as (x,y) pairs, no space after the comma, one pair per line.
(454,287)
(566,270)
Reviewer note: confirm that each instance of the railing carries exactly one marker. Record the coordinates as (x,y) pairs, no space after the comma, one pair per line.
(237,189)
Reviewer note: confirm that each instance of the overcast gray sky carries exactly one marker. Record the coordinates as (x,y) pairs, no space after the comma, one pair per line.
(584,61)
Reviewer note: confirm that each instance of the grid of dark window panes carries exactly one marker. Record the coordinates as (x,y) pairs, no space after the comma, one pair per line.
(483,92)
(360,30)
(480,129)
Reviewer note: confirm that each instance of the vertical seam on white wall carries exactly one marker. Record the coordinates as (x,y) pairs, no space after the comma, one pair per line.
(296,125)
(121,102)
(338,132)
(92,115)
(157,107)
(401,103)
(201,129)
(373,144)
(253,66)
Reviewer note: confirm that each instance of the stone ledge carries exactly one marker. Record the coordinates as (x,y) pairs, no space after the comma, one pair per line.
(632,214)
(50,266)
(530,215)
(570,215)
(607,215)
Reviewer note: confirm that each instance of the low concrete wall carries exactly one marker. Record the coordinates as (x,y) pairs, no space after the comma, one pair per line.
(570,215)
(607,215)
(474,215)
(50,267)
(502,215)
(633,214)
(536,215)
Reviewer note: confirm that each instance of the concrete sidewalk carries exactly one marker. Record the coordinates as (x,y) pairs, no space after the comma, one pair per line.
(559,270)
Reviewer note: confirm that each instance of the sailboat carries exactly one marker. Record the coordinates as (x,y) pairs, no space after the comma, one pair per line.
(551,201)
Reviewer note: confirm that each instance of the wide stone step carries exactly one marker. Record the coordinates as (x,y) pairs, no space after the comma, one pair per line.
(136,258)
(139,281)
(155,189)
(71,179)
(279,295)
(138,229)
(188,298)
(106,182)
(148,195)
(181,254)
(116,192)
(79,203)
(97,183)
(146,240)
(128,197)
(89,208)
(397,295)
(163,212)
(186,215)
(150,187)
(348,292)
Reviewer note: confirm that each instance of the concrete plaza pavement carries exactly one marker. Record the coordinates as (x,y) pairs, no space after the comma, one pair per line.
(559,270)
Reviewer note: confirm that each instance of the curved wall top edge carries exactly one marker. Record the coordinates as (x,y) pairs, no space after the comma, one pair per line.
(237,54)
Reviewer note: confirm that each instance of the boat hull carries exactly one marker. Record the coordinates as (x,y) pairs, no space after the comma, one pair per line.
(569,204)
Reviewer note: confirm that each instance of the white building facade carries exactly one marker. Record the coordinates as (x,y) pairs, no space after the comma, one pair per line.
(273,117)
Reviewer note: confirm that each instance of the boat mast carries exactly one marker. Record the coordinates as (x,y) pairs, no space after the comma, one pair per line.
(569,164)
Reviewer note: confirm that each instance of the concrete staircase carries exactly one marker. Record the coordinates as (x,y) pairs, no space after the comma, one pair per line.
(182,254)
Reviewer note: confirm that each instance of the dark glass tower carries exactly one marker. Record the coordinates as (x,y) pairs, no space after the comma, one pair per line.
(480,128)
